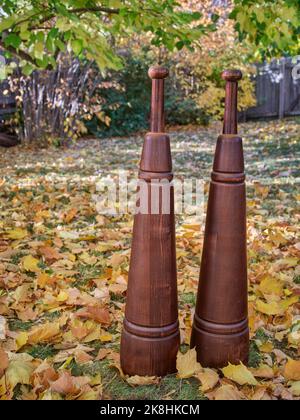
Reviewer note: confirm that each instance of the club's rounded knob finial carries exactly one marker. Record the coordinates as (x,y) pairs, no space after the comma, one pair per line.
(157,72)
(232,75)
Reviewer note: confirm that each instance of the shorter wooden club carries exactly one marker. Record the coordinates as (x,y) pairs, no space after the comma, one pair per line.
(151,338)
(220,331)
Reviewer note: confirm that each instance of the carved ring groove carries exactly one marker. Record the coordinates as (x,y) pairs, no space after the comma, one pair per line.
(222,329)
(228,178)
(151,332)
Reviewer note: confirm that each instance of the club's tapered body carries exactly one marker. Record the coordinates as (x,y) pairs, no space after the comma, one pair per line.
(220,331)
(150,338)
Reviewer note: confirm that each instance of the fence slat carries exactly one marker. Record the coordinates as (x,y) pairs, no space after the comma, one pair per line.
(278,94)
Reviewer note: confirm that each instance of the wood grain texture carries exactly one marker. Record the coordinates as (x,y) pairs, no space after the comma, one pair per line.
(231,97)
(220,331)
(150,338)
(158,75)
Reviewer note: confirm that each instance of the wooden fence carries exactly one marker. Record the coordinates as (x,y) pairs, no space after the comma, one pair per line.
(277,91)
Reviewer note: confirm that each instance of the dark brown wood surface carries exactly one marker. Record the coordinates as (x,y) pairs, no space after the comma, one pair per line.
(151,338)
(220,331)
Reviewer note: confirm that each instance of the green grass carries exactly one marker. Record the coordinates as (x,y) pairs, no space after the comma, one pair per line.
(115,388)
(187,299)
(17,325)
(15,259)
(255,357)
(297,280)
(42,352)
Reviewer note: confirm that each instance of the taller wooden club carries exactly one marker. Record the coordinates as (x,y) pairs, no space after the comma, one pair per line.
(220,331)
(151,338)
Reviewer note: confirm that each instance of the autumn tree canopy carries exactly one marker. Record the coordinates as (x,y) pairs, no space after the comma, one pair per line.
(36,31)
(273,27)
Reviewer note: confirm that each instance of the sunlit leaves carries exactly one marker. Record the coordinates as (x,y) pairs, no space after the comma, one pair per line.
(187,364)
(17,233)
(31,264)
(239,374)
(272,27)
(19,371)
(208,378)
(87,29)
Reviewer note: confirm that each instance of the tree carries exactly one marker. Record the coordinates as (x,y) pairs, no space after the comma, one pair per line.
(36,31)
(272,27)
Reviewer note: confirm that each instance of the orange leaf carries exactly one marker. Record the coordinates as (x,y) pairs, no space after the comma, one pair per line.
(68,384)
(292,370)
(68,217)
(95,313)
(3,361)
(50,254)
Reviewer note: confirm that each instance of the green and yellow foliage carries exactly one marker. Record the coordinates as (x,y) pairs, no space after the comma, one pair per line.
(271,27)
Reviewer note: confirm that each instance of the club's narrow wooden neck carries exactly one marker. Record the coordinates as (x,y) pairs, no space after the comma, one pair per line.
(230,117)
(157,106)
(158,76)
(232,78)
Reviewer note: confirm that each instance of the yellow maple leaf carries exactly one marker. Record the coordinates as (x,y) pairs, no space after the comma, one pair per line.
(239,374)
(142,380)
(266,347)
(187,364)
(271,286)
(228,393)
(264,372)
(285,304)
(208,378)
(17,234)
(19,372)
(272,308)
(105,338)
(21,340)
(31,264)
(94,332)
(43,333)
(275,308)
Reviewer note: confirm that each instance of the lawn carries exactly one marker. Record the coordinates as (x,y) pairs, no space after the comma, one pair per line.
(64,268)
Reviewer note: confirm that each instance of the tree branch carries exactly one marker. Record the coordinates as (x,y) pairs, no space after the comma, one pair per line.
(18,53)
(27,57)
(95,9)
(81,11)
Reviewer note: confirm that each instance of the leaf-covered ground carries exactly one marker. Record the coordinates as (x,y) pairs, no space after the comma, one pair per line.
(64,270)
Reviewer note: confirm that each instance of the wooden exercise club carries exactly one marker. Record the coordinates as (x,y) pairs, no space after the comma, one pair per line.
(220,331)
(151,338)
